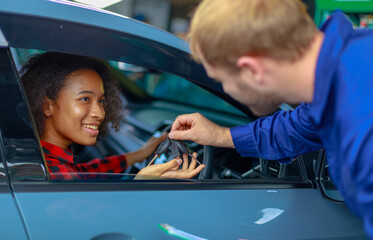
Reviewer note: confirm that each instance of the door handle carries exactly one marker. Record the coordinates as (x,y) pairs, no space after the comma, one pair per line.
(113,236)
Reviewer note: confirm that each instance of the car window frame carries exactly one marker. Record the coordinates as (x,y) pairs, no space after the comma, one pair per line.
(209,184)
(194,69)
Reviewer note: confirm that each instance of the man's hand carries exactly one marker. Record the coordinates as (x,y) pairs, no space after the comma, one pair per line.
(171,169)
(197,128)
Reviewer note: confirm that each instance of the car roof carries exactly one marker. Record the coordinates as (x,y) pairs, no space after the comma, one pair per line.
(74,12)
(65,26)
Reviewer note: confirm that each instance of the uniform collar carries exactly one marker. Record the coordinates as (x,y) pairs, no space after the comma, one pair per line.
(53,151)
(336,30)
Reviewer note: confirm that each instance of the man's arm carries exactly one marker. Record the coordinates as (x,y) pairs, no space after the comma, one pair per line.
(285,134)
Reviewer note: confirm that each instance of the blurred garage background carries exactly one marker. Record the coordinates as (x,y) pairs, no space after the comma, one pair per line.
(169,15)
(174,15)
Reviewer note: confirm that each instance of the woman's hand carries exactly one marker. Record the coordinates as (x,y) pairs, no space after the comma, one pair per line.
(145,151)
(171,169)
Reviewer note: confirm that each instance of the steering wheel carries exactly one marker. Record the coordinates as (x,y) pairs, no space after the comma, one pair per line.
(208,161)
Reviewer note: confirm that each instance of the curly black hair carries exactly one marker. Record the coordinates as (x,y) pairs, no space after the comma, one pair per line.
(44,75)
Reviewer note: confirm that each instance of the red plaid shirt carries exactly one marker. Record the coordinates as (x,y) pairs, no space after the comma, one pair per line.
(61,163)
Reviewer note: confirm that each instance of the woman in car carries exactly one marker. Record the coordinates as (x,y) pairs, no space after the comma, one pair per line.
(74,99)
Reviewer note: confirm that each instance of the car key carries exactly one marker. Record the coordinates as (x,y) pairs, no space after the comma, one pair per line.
(174,149)
(185,149)
(195,159)
(182,146)
(162,148)
(179,147)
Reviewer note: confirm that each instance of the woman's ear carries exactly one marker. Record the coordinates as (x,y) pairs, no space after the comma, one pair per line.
(251,68)
(47,107)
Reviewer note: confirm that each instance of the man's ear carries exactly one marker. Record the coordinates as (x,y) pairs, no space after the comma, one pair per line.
(48,107)
(251,66)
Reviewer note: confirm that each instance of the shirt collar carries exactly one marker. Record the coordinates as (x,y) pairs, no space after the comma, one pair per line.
(336,30)
(53,151)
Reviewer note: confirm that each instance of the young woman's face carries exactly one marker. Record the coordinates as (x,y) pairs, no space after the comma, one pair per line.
(76,115)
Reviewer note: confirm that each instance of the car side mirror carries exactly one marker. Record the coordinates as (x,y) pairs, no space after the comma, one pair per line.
(323,181)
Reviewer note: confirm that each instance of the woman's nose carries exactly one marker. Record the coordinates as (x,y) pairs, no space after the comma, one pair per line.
(98,111)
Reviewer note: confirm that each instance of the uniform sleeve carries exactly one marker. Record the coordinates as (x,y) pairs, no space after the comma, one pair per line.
(357,169)
(112,164)
(284,135)
(355,157)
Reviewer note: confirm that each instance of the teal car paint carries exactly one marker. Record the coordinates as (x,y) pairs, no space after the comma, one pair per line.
(235,198)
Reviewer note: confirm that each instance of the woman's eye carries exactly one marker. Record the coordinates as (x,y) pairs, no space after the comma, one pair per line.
(102,101)
(85,99)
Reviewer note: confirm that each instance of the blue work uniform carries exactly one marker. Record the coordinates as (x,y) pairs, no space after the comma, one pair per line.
(339,119)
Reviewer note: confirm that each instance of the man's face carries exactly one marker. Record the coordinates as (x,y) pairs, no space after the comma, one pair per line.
(243,90)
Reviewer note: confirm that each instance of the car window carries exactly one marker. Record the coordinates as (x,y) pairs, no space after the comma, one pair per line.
(153,99)
(22,55)
(18,141)
(2,169)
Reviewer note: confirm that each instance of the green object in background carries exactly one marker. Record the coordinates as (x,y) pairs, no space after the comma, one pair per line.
(346,5)
(359,11)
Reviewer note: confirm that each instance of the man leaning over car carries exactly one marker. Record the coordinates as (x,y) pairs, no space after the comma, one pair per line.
(265,52)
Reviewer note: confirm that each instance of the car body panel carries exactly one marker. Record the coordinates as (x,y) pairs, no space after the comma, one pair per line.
(72,12)
(269,213)
(11,225)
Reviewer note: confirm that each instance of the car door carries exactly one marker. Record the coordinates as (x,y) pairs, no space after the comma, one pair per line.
(12,225)
(11,222)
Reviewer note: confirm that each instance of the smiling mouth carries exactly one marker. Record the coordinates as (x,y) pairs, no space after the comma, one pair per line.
(93,127)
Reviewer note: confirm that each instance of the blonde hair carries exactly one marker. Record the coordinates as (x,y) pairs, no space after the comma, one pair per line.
(224,30)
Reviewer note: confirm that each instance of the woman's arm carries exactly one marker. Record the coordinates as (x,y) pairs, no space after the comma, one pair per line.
(145,151)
